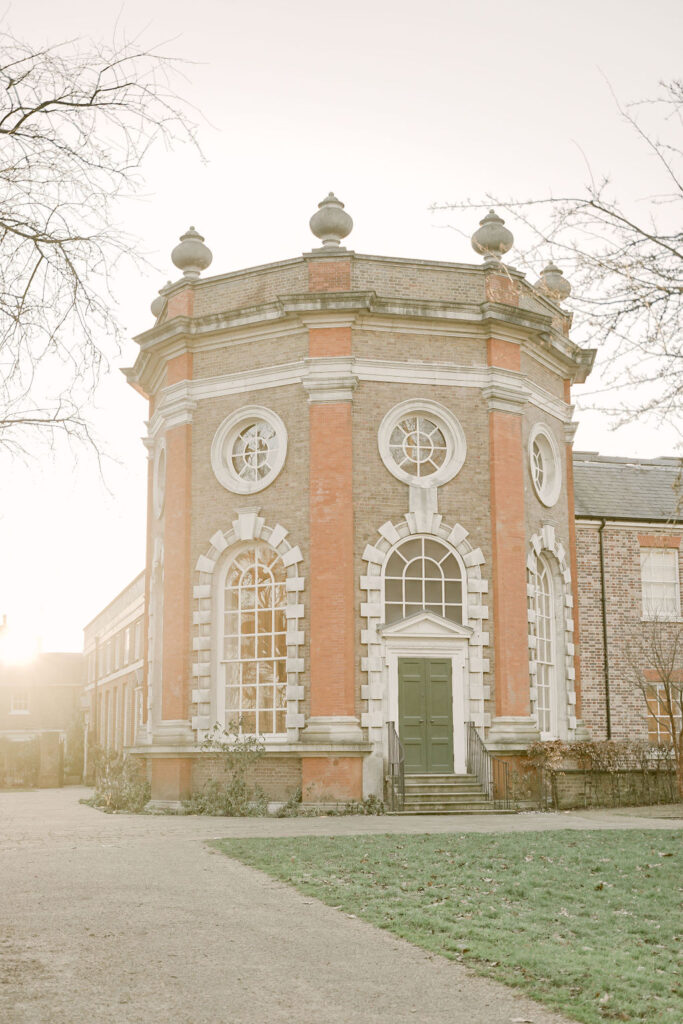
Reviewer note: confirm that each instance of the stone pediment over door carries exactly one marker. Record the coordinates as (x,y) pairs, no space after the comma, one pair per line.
(423,625)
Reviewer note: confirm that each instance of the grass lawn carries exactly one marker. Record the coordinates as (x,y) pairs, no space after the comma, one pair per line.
(586,922)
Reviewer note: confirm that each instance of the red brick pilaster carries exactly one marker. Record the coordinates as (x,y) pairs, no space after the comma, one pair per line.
(512,726)
(332,633)
(331,516)
(170,778)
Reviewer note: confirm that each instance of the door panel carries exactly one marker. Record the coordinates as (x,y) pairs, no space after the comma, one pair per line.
(412,713)
(425,700)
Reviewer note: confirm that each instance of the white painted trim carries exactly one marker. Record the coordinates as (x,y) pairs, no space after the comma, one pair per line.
(375,693)
(548,542)
(653,526)
(247,526)
(445,420)
(549,493)
(447,646)
(225,437)
(333,372)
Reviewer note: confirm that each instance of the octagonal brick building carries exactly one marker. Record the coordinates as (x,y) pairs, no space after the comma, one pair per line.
(360,514)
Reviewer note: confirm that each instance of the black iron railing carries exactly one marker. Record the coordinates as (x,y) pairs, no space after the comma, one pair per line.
(492,773)
(396,780)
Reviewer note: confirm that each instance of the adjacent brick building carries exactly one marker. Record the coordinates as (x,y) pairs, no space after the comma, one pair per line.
(629,522)
(39,706)
(360,513)
(113,650)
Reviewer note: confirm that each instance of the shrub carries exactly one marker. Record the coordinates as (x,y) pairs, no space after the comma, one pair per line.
(234,798)
(615,771)
(119,783)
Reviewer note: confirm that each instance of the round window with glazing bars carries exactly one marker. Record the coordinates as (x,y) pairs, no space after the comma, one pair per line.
(418,446)
(422,443)
(545,465)
(254,451)
(249,449)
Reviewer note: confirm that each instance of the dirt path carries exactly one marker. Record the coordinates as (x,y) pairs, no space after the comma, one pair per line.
(114,918)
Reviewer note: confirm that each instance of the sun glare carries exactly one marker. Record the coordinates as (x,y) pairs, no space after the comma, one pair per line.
(18,646)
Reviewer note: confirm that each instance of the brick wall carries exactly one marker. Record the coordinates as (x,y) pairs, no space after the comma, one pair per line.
(624,622)
(278,777)
(377,495)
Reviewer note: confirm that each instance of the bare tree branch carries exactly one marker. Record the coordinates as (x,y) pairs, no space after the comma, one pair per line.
(626,270)
(76,122)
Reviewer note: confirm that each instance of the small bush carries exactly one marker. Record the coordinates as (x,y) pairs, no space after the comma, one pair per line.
(615,772)
(371,805)
(292,808)
(119,783)
(234,799)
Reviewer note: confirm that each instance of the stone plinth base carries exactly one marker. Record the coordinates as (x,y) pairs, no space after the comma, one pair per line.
(512,734)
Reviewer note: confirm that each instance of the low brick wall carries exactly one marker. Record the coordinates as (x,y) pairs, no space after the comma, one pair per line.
(277,776)
(577,788)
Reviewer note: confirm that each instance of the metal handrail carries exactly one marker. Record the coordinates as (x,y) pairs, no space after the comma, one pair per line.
(493,774)
(396,778)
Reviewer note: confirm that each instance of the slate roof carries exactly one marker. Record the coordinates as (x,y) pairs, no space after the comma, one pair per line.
(622,488)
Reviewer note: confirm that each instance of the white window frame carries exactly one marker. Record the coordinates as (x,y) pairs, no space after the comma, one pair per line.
(547,490)
(224,441)
(448,550)
(19,702)
(448,424)
(653,700)
(546,667)
(225,715)
(650,610)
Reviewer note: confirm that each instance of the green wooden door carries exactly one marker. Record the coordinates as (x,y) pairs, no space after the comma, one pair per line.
(425,714)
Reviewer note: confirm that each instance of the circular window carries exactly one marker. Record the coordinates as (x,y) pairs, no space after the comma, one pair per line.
(418,446)
(249,449)
(422,443)
(159,478)
(544,464)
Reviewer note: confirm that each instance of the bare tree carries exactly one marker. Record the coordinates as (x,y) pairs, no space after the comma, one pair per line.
(625,262)
(655,666)
(76,121)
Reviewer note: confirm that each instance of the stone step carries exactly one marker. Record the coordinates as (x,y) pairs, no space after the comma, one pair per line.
(487,809)
(435,798)
(445,788)
(428,776)
(470,802)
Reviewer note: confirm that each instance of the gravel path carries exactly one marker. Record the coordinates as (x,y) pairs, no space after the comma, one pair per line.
(118,918)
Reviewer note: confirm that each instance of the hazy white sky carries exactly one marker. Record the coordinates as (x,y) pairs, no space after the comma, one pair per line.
(393,105)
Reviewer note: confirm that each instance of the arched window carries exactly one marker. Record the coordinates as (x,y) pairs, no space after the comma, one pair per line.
(253,642)
(546,659)
(423,573)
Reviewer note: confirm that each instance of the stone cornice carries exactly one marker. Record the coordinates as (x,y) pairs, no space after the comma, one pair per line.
(329,379)
(334,379)
(296,312)
(178,404)
(506,396)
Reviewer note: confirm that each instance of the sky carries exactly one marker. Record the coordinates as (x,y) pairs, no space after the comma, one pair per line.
(394,106)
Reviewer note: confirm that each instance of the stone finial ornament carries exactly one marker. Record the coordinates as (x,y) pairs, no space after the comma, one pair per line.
(191,255)
(554,283)
(159,304)
(331,223)
(492,239)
